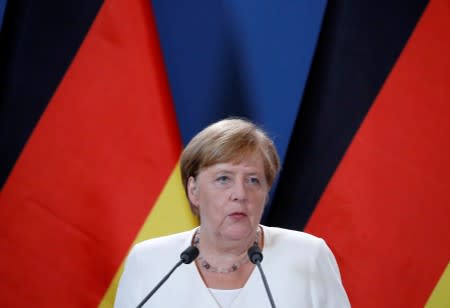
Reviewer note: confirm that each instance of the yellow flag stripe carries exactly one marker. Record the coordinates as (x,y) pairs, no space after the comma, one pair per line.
(171,214)
(440,297)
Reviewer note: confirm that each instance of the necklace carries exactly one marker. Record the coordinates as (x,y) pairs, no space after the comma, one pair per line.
(221,270)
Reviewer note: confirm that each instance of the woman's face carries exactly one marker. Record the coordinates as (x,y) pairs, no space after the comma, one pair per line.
(230,197)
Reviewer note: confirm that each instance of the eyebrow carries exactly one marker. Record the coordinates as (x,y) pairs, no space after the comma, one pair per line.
(226,171)
(223,171)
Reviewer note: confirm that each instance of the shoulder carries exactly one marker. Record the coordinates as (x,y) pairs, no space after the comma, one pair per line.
(309,260)
(146,263)
(293,246)
(165,247)
(280,236)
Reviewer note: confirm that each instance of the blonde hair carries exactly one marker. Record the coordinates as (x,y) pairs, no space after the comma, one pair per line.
(229,140)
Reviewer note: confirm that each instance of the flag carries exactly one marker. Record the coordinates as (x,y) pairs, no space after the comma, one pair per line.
(239,58)
(2,11)
(367,166)
(97,153)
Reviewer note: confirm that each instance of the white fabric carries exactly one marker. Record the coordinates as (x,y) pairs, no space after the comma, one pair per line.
(224,297)
(300,269)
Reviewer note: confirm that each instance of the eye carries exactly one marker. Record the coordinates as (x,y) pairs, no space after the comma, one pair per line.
(223,179)
(254,180)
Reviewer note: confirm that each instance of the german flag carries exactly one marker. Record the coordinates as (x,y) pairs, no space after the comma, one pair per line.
(98,154)
(369,162)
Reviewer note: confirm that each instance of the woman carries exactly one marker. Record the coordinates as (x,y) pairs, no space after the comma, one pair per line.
(227,171)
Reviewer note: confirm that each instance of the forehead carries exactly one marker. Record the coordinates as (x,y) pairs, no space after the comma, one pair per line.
(250,163)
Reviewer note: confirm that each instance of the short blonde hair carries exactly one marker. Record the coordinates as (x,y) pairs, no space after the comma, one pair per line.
(229,140)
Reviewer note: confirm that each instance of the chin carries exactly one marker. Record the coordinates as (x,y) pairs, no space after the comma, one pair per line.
(238,231)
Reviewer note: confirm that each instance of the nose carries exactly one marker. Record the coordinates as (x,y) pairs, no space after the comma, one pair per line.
(238,191)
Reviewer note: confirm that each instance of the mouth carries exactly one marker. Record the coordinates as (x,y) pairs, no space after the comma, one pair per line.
(238,215)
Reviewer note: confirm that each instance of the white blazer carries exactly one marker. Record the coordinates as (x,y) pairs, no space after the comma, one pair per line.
(300,269)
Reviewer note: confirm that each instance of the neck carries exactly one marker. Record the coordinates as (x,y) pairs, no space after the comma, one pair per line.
(223,256)
(221,243)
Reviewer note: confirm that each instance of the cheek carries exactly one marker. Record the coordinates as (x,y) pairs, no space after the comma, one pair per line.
(214,203)
(259,201)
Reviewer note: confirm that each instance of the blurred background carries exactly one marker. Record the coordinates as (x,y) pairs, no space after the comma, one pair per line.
(99,97)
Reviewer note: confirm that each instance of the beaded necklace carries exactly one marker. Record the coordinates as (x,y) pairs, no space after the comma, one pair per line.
(215,269)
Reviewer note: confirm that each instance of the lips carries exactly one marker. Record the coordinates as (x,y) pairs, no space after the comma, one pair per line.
(238,215)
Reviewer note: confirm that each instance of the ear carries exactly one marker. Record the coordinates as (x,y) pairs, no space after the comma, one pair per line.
(192,188)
